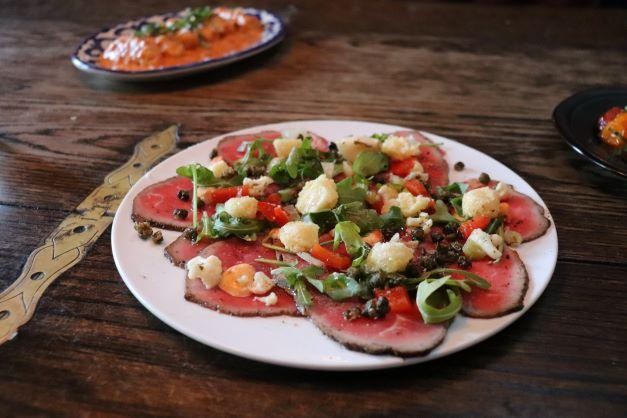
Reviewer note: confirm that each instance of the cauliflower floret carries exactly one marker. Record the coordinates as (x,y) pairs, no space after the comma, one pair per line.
(219,167)
(409,204)
(241,207)
(390,257)
(256,187)
(317,195)
(503,190)
(269,300)
(422,221)
(387,192)
(400,147)
(350,146)
(483,201)
(261,283)
(417,172)
(208,270)
(299,236)
(479,244)
(283,146)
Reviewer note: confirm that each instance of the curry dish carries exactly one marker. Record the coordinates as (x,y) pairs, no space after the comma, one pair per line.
(198,35)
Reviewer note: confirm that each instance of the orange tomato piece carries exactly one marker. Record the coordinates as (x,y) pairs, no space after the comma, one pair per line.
(236,280)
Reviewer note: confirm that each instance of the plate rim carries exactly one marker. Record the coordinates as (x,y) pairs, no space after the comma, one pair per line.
(563,108)
(177,70)
(339,367)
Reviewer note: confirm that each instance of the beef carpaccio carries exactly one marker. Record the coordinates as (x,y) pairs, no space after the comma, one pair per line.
(365,235)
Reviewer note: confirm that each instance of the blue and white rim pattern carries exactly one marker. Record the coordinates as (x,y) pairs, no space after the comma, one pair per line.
(85,57)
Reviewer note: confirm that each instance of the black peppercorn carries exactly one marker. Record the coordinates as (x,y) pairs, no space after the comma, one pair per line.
(459,166)
(190,234)
(183,195)
(484,178)
(179,213)
(464,262)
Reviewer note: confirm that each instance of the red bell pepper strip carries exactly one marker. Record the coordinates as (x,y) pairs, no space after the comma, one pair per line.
(331,259)
(416,188)
(478,222)
(402,167)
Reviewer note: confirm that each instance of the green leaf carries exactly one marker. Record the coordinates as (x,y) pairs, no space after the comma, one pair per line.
(457,188)
(494,225)
(207,228)
(472,278)
(369,163)
(393,220)
(338,286)
(225,225)
(255,158)
(442,214)
(348,233)
(456,202)
(296,280)
(303,163)
(366,219)
(326,220)
(205,177)
(436,302)
(352,189)
(380,137)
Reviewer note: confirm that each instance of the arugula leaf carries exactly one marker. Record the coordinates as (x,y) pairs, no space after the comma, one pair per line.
(348,233)
(436,302)
(225,225)
(456,202)
(255,159)
(325,219)
(205,177)
(207,228)
(380,137)
(393,220)
(296,280)
(338,286)
(352,189)
(442,214)
(303,163)
(366,219)
(369,163)
(494,225)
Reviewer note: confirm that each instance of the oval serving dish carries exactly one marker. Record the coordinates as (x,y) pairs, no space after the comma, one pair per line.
(85,57)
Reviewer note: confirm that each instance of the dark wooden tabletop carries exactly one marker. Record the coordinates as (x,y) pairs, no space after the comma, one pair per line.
(487,75)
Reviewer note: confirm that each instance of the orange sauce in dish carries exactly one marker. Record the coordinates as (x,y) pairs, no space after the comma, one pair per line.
(223,32)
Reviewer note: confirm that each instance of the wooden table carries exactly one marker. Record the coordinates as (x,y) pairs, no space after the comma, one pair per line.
(486,75)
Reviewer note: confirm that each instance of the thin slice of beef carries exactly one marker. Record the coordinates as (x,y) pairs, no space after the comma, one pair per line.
(233,251)
(157,202)
(525,216)
(399,334)
(230,147)
(431,157)
(509,281)
(182,249)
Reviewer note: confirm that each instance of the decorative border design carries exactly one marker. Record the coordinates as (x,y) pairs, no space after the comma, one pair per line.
(85,57)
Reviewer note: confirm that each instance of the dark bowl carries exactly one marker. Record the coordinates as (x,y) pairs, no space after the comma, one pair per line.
(576,119)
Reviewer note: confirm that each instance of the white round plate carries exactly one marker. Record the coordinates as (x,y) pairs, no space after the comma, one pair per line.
(296,342)
(86,55)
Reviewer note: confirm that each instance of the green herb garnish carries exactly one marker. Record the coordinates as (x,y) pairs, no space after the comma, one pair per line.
(369,163)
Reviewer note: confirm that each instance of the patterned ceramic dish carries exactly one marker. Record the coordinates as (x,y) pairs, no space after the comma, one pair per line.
(85,57)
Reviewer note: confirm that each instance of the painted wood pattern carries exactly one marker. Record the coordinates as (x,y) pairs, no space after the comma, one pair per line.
(487,75)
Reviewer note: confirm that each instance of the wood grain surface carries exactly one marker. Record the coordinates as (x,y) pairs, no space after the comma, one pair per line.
(487,75)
